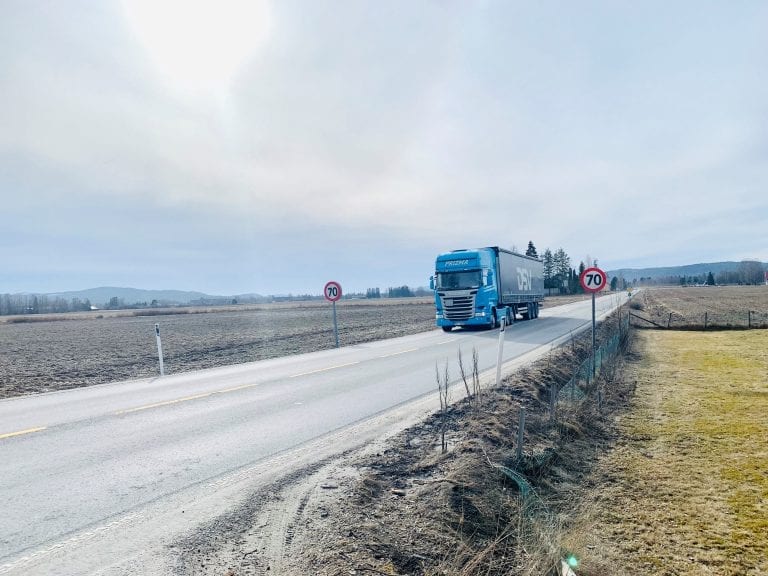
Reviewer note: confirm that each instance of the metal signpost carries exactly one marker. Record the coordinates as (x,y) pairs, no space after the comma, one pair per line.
(593,280)
(332,293)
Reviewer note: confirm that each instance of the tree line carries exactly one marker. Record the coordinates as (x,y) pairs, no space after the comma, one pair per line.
(748,272)
(560,277)
(11,304)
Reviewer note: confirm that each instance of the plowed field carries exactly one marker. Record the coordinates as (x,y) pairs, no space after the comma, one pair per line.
(66,351)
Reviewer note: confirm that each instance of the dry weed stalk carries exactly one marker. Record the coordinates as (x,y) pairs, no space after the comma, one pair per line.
(476,373)
(444,393)
(463,373)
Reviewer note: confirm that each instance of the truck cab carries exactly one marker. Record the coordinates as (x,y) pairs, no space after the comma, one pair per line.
(481,287)
(465,289)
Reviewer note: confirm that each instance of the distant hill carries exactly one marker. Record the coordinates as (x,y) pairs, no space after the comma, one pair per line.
(101,296)
(630,274)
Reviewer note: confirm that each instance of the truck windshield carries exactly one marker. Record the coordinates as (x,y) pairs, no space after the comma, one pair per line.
(458,280)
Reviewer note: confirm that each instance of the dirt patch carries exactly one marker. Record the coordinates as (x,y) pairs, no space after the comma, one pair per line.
(406,507)
(44,356)
(686,490)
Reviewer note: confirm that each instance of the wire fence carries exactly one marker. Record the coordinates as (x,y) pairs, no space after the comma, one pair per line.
(584,373)
(730,320)
(582,383)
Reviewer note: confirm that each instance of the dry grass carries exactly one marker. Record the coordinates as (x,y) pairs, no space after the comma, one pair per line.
(475,509)
(686,489)
(724,306)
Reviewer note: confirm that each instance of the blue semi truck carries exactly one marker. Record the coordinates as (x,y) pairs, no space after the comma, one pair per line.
(480,287)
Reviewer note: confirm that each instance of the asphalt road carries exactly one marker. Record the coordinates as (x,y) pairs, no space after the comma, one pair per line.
(101,480)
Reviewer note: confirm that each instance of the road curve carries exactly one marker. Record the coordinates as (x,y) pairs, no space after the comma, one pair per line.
(101,480)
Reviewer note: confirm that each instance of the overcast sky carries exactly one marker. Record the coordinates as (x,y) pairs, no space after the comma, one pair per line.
(258,146)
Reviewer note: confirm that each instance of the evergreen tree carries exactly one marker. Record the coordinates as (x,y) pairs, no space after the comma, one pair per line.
(710,279)
(531,251)
(549,268)
(562,267)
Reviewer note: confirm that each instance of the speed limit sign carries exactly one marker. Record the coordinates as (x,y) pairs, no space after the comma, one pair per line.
(332,291)
(593,280)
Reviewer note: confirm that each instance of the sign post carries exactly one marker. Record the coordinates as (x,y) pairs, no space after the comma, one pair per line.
(593,280)
(332,293)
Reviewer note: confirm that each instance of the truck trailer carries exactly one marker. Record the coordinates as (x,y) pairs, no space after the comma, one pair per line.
(479,287)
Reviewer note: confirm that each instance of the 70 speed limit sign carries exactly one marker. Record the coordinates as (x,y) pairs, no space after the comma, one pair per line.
(332,291)
(593,280)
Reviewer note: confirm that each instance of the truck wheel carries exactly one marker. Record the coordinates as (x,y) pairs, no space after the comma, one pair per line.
(447,328)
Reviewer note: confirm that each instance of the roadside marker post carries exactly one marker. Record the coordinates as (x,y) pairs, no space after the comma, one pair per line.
(501,350)
(593,280)
(159,349)
(332,293)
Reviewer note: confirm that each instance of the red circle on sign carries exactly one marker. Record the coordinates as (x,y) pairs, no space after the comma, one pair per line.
(593,279)
(332,291)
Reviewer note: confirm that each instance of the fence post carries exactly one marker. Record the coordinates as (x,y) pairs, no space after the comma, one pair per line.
(669,320)
(520,432)
(749,319)
(705,320)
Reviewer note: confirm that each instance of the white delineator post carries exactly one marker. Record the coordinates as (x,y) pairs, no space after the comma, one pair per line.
(501,350)
(159,349)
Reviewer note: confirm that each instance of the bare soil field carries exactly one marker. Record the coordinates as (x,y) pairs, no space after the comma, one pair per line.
(56,352)
(713,306)
(686,489)
(43,353)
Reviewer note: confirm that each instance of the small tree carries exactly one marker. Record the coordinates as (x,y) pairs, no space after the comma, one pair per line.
(614,283)
(531,250)
(710,279)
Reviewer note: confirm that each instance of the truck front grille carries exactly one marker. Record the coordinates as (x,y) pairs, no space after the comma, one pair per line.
(458,307)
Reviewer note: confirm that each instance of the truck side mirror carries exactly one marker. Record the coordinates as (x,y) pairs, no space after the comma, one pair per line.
(431,282)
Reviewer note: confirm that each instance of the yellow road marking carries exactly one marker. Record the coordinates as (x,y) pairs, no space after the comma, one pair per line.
(323,369)
(20,432)
(398,353)
(236,388)
(206,394)
(166,403)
